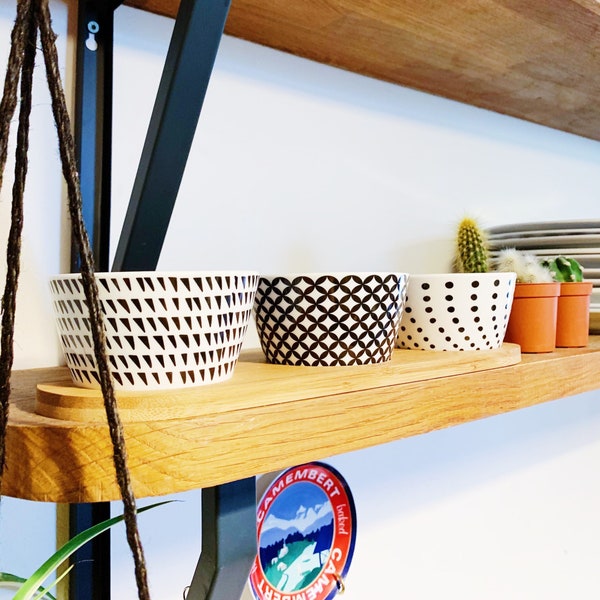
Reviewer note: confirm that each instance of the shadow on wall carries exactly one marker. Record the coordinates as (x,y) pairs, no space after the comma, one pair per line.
(142,30)
(434,467)
(246,59)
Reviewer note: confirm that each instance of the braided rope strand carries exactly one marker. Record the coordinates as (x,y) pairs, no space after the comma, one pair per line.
(21,60)
(8,103)
(81,240)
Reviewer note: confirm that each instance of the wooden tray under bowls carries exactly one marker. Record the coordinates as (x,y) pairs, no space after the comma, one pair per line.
(256,382)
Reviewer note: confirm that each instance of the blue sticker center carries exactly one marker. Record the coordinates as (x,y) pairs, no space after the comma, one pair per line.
(296,537)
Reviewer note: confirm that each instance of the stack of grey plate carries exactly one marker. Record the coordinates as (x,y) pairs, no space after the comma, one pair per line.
(577,239)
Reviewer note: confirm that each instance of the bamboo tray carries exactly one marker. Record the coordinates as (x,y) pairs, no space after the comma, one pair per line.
(257,383)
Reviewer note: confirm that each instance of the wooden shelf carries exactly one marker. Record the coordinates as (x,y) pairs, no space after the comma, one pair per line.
(269,417)
(537,60)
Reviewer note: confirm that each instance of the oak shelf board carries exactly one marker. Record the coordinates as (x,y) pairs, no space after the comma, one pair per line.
(537,60)
(241,435)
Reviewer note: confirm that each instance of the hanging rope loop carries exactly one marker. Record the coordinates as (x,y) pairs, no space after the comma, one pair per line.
(19,40)
(34,16)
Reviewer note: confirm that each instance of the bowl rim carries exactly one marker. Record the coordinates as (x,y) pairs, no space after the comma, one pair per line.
(334,274)
(178,274)
(502,274)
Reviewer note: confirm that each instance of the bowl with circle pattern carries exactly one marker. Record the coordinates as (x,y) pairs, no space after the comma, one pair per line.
(329,319)
(163,329)
(456,311)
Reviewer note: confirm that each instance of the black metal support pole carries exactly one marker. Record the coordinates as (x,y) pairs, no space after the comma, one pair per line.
(228,511)
(190,59)
(90,577)
(93,122)
(228,541)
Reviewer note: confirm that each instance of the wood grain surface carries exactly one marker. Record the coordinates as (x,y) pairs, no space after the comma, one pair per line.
(256,382)
(532,59)
(236,437)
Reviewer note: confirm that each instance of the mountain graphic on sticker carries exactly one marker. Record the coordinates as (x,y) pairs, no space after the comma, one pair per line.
(306,530)
(296,537)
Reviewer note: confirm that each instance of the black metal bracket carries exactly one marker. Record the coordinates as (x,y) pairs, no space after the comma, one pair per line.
(188,67)
(90,577)
(229,510)
(228,541)
(93,122)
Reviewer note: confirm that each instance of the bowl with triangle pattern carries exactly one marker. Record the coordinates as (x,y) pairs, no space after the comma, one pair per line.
(163,329)
(329,319)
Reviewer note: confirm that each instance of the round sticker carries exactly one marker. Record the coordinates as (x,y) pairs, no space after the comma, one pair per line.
(306,528)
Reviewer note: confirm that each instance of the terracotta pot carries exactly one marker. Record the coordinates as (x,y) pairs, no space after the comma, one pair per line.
(573,320)
(533,317)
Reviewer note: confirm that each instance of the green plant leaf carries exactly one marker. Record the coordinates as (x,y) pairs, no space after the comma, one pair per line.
(34,583)
(45,593)
(8,580)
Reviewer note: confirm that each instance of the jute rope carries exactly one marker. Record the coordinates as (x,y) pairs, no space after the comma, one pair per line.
(8,105)
(34,15)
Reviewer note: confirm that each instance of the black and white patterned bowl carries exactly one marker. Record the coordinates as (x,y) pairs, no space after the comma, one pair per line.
(335,319)
(163,330)
(456,311)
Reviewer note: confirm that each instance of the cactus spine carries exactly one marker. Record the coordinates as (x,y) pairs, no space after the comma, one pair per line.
(525,264)
(471,248)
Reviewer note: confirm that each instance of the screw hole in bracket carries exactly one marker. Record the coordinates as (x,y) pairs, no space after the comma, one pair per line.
(91,43)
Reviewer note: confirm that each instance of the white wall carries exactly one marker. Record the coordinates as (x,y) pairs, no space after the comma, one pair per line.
(298,166)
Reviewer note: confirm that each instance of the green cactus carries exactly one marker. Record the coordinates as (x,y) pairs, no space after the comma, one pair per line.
(471,248)
(564,269)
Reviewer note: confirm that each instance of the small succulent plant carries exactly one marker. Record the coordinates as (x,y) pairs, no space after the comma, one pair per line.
(525,264)
(564,269)
(471,248)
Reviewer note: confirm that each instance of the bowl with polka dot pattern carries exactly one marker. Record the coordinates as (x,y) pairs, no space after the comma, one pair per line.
(456,311)
(329,319)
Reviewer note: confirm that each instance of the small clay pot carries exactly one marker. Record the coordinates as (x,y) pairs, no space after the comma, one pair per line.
(533,317)
(573,319)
